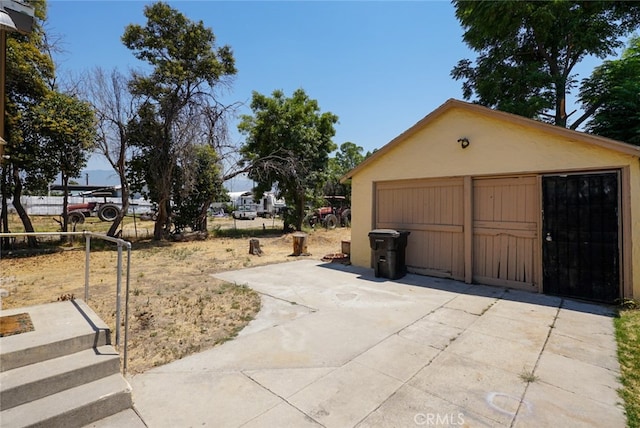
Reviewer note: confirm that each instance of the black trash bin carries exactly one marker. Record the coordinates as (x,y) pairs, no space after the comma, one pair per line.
(388,247)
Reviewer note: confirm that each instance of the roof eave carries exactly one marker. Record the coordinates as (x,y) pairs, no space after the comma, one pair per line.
(510,117)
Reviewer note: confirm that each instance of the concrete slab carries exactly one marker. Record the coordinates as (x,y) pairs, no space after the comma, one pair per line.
(453,317)
(521,330)
(478,387)
(587,352)
(431,333)
(410,407)
(476,305)
(322,339)
(274,312)
(516,357)
(286,382)
(554,407)
(283,415)
(522,310)
(345,396)
(587,327)
(598,384)
(398,357)
(336,347)
(182,399)
(128,418)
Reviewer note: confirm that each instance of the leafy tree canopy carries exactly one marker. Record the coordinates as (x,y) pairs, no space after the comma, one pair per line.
(182,53)
(527,50)
(347,158)
(196,188)
(613,93)
(178,96)
(288,141)
(48,131)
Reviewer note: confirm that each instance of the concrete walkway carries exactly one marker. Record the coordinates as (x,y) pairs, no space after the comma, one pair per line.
(335,347)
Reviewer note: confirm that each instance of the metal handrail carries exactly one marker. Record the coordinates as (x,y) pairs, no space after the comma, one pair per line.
(120,243)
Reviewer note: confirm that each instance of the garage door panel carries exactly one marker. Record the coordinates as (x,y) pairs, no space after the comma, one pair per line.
(504,227)
(432,210)
(504,260)
(505,231)
(436,254)
(581,224)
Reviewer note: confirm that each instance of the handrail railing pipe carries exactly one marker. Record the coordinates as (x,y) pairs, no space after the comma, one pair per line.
(120,243)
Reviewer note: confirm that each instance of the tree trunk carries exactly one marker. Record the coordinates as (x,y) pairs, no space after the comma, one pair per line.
(163,222)
(5,209)
(65,205)
(124,188)
(201,221)
(561,108)
(3,190)
(254,247)
(22,213)
(300,244)
(300,207)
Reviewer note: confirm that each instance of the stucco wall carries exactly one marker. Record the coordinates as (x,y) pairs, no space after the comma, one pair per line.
(496,147)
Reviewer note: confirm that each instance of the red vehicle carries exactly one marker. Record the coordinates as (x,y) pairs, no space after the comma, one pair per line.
(336,213)
(105,211)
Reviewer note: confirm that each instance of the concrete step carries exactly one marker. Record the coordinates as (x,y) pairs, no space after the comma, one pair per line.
(35,381)
(127,418)
(74,407)
(60,328)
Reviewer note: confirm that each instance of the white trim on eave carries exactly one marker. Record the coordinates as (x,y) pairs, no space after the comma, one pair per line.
(596,140)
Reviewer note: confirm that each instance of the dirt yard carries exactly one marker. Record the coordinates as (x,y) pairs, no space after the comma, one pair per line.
(176,307)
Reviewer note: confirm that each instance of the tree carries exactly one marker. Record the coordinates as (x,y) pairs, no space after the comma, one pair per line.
(115,109)
(29,74)
(195,189)
(527,51)
(349,156)
(178,94)
(612,92)
(287,146)
(65,128)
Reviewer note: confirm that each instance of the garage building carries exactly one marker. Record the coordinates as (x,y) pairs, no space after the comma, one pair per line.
(495,198)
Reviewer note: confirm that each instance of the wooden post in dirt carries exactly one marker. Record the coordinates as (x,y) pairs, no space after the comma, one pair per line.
(300,244)
(254,247)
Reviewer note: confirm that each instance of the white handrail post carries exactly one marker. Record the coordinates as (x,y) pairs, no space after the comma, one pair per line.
(126,310)
(87,253)
(118,291)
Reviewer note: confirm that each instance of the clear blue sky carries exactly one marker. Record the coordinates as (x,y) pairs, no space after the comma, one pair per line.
(380,66)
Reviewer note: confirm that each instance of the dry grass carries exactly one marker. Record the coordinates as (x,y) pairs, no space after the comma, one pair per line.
(176,306)
(628,335)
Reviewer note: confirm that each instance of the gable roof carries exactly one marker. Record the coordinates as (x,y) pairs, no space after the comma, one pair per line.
(498,115)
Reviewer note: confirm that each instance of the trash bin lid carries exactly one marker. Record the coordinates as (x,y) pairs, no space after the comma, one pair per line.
(385,233)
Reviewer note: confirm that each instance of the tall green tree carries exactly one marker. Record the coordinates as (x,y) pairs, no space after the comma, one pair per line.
(527,51)
(29,75)
(288,141)
(66,131)
(347,158)
(612,92)
(187,68)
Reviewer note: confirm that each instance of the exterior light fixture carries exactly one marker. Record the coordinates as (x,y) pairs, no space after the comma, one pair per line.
(6,23)
(464,142)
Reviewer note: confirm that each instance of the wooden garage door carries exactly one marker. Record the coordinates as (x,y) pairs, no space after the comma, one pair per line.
(505,228)
(433,211)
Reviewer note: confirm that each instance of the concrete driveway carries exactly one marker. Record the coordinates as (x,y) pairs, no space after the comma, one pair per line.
(335,347)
